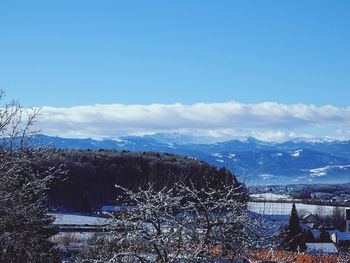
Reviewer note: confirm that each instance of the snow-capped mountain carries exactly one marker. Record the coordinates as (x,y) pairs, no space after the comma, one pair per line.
(251,160)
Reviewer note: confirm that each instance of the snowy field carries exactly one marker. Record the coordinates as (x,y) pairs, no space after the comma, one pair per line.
(75,219)
(270,196)
(267,208)
(285,208)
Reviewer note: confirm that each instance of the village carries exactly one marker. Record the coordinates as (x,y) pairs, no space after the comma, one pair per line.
(324,241)
(325,195)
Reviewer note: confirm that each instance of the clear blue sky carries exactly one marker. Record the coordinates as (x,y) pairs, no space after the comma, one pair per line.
(64,53)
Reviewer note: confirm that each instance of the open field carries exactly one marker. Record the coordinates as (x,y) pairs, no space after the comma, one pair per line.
(283,208)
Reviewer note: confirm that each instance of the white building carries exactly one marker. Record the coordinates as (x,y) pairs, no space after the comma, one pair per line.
(343,238)
(321,195)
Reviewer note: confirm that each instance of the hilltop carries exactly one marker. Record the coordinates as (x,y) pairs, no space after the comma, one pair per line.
(253,161)
(92,175)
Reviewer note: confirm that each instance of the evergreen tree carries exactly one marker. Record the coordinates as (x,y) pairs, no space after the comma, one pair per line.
(293,226)
(293,236)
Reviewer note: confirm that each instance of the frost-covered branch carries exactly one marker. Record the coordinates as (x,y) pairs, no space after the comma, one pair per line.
(23,209)
(179,224)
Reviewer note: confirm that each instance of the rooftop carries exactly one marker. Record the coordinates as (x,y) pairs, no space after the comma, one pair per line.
(320,248)
(343,236)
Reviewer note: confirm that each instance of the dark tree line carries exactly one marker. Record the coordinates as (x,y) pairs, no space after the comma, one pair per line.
(306,191)
(92,176)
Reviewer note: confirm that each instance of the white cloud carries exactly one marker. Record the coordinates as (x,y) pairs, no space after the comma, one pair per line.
(268,120)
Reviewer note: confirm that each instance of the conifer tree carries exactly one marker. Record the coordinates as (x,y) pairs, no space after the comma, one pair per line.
(294,237)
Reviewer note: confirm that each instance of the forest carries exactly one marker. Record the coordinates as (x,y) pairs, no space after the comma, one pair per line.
(90,176)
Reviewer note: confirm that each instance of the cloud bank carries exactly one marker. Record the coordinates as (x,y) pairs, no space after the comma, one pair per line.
(267,121)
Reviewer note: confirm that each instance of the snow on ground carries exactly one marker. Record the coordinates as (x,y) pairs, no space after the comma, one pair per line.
(267,176)
(76,219)
(319,171)
(232,156)
(285,208)
(296,153)
(322,171)
(270,196)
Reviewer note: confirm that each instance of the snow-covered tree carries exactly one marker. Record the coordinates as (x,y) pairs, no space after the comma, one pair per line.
(344,255)
(179,224)
(23,211)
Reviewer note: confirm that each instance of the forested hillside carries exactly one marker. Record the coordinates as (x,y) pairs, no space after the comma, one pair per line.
(254,161)
(92,175)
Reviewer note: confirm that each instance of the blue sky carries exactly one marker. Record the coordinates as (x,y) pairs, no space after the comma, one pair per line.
(70,53)
(64,53)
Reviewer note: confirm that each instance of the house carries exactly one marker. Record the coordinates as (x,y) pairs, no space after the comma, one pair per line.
(341,238)
(331,232)
(341,198)
(328,227)
(321,195)
(321,248)
(307,226)
(312,220)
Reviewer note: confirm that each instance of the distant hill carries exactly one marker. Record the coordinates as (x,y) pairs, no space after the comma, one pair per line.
(253,161)
(92,175)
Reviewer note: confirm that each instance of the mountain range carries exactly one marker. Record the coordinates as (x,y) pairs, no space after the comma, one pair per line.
(251,160)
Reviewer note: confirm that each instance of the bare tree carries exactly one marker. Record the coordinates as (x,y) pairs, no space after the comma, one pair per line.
(179,224)
(320,211)
(344,255)
(338,217)
(23,211)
